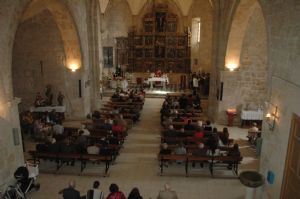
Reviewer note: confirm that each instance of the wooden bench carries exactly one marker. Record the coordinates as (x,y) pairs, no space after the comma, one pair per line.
(213,161)
(62,158)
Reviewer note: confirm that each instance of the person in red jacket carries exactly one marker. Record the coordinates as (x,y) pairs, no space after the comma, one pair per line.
(199,135)
(115,193)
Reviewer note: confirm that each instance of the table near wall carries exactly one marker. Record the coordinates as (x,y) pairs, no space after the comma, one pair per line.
(251,115)
(59,109)
(163,80)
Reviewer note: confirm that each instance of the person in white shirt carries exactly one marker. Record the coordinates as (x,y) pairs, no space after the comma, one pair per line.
(57,128)
(95,193)
(93,149)
(83,128)
(252,133)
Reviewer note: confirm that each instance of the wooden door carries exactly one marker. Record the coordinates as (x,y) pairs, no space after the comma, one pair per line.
(291,181)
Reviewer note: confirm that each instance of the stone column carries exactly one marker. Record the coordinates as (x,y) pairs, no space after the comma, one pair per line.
(223,11)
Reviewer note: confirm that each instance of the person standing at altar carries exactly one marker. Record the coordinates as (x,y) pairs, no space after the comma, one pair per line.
(195,83)
(158,73)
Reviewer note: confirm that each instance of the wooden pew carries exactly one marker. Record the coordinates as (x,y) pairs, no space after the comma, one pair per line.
(171,158)
(62,158)
(214,162)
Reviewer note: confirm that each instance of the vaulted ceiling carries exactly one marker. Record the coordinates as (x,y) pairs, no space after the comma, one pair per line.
(137,5)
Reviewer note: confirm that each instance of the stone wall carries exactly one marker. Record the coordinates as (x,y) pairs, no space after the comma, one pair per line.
(38,60)
(249,83)
(202,51)
(284,86)
(11,156)
(116,22)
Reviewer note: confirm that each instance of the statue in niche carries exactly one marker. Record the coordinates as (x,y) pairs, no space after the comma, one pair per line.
(49,95)
(60,99)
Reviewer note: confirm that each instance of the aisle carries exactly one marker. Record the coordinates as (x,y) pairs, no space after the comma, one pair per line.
(138,158)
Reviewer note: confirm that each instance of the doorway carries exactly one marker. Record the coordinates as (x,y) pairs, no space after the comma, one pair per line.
(291,181)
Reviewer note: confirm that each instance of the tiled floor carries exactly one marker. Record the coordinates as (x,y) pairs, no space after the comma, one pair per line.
(138,166)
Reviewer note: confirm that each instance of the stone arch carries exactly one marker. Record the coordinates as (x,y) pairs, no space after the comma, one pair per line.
(62,35)
(65,24)
(238,30)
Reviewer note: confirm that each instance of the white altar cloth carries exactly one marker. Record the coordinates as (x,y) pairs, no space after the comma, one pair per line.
(157,79)
(252,115)
(60,109)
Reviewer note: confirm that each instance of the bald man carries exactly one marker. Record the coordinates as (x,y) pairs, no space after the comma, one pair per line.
(167,193)
(70,192)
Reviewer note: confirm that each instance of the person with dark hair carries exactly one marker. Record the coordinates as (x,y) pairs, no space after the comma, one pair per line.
(81,142)
(224,136)
(189,126)
(135,194)
(235,152)
(115,193)
(95,193)
(208,126)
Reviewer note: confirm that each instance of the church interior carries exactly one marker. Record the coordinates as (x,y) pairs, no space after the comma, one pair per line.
(237,59)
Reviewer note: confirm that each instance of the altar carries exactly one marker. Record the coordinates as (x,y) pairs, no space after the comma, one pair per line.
(59,109)
(252,115)
(164,81)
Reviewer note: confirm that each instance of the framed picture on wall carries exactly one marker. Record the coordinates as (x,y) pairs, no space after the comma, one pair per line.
(108,57)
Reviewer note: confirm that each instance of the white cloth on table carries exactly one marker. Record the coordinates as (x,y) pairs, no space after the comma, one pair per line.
(252,115)
(158,79)
(60,109)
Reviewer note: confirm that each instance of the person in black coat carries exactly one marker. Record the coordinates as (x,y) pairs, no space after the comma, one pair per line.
(70,192)
(135,194)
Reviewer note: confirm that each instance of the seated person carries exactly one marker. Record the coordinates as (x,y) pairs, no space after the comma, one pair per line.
(83,128)
(170,132)
(189,126)
(81,143)
(117,129)
(200,151)
(112,139)
(235,151)
(167,122)
(57,128)
(207,126)
(165,150)
(199,135)
(96,115)
(252,132)
(182,132)
(180,150)
(123,122)
(197,102)
(224,136)
(68,147)
(93,148)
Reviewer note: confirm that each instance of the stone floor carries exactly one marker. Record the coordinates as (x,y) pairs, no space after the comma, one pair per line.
(137,166)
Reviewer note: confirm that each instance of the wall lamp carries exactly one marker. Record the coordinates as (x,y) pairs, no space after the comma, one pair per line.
(231,66)
(271,117)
